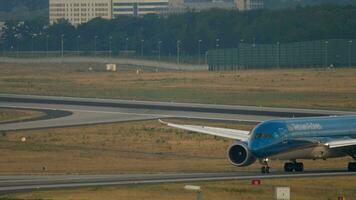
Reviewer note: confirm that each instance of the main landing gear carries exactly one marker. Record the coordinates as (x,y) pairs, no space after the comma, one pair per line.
(352,167)
(293,166)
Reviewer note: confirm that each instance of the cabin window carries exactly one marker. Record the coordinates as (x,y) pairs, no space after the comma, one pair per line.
(263,135)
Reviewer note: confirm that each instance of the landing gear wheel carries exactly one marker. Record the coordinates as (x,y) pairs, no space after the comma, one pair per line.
(290,167)
(265,170)
(299,167)
(352,167)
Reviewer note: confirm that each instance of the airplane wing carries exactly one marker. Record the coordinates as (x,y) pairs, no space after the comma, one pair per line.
(221,132)
(347,142)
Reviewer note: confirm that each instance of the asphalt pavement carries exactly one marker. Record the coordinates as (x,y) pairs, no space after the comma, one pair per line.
(87,111)
(9,184)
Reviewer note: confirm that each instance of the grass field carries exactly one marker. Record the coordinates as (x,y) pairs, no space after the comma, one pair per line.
(149,147)
(8,115)
(317,88)
(301,189)
(113,148)
(132,147)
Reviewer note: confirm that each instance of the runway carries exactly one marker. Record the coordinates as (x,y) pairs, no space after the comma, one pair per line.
(87,111)
(10,184)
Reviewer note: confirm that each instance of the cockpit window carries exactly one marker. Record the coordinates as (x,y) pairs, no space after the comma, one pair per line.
(263,135)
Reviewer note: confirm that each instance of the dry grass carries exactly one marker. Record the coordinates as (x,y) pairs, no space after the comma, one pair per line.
(295,88)
(8,115)
(301,189)
(112,148)
(148,147)
(134,147)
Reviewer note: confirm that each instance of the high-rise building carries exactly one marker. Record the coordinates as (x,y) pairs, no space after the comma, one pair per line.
(79,11)
(138,7)
(82,11)
(244,5)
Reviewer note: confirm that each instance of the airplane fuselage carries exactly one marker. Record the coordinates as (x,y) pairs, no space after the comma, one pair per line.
(301,138)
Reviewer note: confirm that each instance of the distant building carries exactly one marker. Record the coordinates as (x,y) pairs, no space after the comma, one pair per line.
(244,5)
(176,6)
(138,7)
(205,5)
(79,11)
(82,11)
(2,25)
(180,6)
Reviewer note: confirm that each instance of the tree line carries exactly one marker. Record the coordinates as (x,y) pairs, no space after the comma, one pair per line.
(280,4)
(23,9)
(189,33)
(10,5)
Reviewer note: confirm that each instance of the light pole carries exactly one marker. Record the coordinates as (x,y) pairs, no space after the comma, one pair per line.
(159,50)
(217,43)
(178,49)
(127,44)
(62,45)
(199,54)
(326,53)
(3,48)
(32,43)
(78,49)
(17,44)
(278,54)
(350,53)
(110,45)
(142,42)
(47,48)
(95,37)
(241,53)
(206,57)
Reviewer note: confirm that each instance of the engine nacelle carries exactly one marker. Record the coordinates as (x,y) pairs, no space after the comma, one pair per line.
(239,155)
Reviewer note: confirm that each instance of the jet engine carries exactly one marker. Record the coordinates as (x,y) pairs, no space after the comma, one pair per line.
(239,155)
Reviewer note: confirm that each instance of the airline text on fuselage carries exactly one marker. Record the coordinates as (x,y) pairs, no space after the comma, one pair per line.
(304,127)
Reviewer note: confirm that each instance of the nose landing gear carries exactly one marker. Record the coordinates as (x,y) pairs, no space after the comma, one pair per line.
(265,169)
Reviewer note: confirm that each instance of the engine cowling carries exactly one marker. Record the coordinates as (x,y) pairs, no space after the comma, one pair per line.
(239,155)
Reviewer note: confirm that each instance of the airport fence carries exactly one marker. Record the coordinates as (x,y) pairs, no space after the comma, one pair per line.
(320,53)
(182,59)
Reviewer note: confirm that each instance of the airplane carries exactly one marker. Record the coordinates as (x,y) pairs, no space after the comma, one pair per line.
(288,140)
